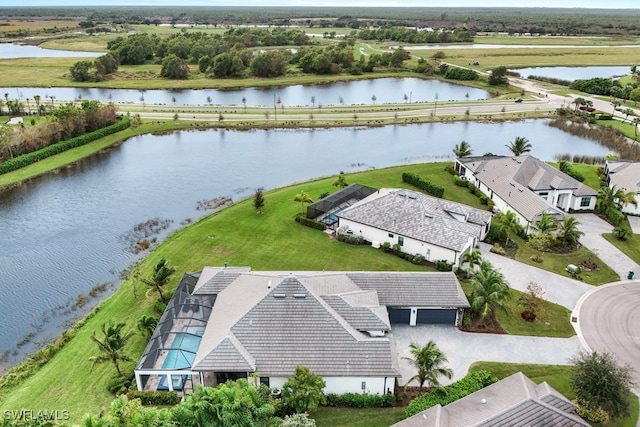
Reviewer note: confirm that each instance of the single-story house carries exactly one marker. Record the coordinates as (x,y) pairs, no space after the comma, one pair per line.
(513,401)
(435,228)
(230,323)
(526,186)
(625,175)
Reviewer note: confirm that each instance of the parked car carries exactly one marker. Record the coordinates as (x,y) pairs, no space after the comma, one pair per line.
(518,100)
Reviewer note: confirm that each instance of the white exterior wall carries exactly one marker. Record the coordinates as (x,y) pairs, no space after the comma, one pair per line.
(342,385)
(503,207)
(430,252)
(630,209)
(578,199)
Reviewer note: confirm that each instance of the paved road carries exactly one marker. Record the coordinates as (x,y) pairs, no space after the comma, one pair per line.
(463,348)
(558,289)
(593,227)
(609,320)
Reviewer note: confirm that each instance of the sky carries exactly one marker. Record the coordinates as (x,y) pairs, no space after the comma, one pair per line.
(615,4)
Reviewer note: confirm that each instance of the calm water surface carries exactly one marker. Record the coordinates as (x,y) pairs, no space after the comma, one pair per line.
(65,233)
(11,50)
(574,73)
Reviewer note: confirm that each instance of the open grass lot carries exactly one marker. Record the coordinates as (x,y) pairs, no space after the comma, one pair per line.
(35,25)
(81,43)
(557,376)
(357,417)
(631,246)
(590,173)
(628,129)
(557,263)
(558,40)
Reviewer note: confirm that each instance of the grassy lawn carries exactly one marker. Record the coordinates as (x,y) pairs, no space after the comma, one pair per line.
(628,129)
(590,173)
(557,376)
(357,417)
(70,156)
(557,263)
(631,246)
(552,320)
(566,41)
(237,235)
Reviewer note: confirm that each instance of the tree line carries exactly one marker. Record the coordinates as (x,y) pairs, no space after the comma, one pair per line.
(412,35)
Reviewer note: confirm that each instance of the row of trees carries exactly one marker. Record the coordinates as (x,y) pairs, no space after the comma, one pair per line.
(608,87)
(63,123)
(412,35)
(96,70)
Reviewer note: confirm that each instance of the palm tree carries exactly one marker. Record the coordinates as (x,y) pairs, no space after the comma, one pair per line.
(340,181)
(622,232)
(628,112)
(510,223)
(244,103)
(568,231)
(462,150)
(147,325)
(636,122)
(519,146)
(160,277)
(472,258)
(112,345)
(615,104)
(313,100)
(610,196)
(303,198)
(547,223)
(490,292)
(428,361)
(578,102)
(36,99)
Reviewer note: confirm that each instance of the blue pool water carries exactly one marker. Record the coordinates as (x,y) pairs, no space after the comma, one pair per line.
(183,350)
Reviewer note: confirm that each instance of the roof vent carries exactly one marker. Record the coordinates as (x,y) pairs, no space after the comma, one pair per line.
(412,197)
(280,296)
(299,296)
(269,285)
(483,401)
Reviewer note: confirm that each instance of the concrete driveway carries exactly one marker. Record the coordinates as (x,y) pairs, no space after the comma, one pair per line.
(593,227)
(609,321)
(463,348)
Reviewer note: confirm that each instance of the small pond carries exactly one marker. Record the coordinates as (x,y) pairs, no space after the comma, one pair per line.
(14,50)
(574,73)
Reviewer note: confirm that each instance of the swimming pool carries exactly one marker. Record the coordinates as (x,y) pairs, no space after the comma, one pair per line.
(182,352)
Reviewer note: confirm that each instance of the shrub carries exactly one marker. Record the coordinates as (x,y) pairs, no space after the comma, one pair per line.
(418,259)
(352,239)
(51,150)
(449,168)
(568,169)
(484,200)
(448,394)
(592,415)
(460,182)
(427,186)
(498,249)
(357,400)
(397,249)
(613,216)
(443,265)
(155,397)
(386,247)
(119,385)
(308,222)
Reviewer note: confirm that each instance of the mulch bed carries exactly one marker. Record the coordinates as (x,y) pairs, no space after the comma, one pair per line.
(478,327)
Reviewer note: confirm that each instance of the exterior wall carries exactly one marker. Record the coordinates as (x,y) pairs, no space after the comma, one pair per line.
(503,207)
(411,246)
(630,209)
(342,385)
(578,199)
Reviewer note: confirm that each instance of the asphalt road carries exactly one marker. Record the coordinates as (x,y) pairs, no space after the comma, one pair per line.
(609,319)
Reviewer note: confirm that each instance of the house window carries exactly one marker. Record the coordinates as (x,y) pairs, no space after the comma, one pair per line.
(585,202)
(544,195)
(391,235)
(400,240)
(264,380)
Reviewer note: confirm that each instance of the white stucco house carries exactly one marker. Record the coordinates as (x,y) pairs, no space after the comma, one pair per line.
(625,175)
(526,186)
(435,228)
(229,323)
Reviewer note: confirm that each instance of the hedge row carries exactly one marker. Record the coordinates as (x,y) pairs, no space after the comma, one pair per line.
(568,169)
(464,387)
(613,216)
(57,148)
(311,222)
(429,187)
(357,400)
(155,397)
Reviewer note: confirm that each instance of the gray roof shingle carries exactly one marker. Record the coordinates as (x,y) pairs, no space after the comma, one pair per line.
(420,217)
(625,175)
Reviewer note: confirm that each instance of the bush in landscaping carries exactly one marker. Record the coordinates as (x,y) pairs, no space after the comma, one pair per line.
(460,182)
(598,415)
(613,216)
(386,247)
(443,265)
(568,169)
(448,394)
(357,400)
(119,385)
(352,239)
(452,170)
(418,259)
(155,397)
(51,150)
(308,222)
(427,186)
(497,249)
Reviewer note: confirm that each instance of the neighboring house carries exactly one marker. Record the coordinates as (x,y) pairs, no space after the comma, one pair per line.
(435,228)
(513,401)
(625,176)
(526,186)
(230,323)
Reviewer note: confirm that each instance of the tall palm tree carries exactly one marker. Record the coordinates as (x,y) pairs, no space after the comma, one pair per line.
(612,196)
(147,325)
(472,258)
(303,198)
(568,231)
(340,181)
(428,361)
(160,277)
(36,99)
(490,292)
(578,102)
(519,146)
(547,223)
(509,221)
(111,345)
(462,150)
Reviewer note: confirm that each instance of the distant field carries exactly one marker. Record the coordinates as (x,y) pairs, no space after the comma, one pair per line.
(548,40)
(35,24)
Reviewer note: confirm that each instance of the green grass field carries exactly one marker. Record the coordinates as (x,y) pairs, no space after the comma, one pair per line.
(590,173)
(631,246)
(357,417)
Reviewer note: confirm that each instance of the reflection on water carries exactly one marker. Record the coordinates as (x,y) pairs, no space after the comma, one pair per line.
(574,73)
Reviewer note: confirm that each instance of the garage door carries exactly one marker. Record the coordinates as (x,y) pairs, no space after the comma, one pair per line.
(441,316)
(399,315)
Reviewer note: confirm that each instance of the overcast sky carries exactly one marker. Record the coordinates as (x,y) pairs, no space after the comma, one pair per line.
(615,4)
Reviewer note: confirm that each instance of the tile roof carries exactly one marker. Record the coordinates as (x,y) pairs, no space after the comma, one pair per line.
(513,401)
(361,318)
(418,216)
(625,175)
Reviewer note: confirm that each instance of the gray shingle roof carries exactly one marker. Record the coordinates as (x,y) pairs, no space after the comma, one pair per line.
(514,401)
(228,356)
(361,318)
(216,279)
(625,175)
(418,216)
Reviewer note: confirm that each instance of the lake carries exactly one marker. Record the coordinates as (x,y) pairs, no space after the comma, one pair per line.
(574,73)
(386,90)
(66,232)
(12,51)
